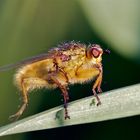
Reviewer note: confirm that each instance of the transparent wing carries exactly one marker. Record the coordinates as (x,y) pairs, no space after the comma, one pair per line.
(63,50)
(25,61)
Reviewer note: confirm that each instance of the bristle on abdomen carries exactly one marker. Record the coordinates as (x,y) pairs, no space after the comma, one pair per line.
(19,76)
(30,80)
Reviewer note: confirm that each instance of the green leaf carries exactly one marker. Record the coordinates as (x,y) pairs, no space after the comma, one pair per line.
(116,22)
(117,103)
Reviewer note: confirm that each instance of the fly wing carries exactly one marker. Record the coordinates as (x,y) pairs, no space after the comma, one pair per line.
(65,51)
(25,62)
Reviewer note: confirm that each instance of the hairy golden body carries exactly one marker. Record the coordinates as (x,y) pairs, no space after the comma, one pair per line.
(67,64)
(79,69)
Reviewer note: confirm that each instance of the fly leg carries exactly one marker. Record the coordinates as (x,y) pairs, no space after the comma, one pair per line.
(59,69)
(24,104)
(63,88)
(65,74)
(97,85)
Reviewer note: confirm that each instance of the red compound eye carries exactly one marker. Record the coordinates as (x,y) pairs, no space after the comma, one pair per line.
(95,52)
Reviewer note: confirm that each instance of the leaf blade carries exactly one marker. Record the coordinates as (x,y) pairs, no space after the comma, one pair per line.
(117,103)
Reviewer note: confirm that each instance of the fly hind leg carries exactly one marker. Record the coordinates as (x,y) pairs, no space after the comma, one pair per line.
(24,104)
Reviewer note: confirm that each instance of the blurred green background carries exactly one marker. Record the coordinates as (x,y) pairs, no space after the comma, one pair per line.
(31,27)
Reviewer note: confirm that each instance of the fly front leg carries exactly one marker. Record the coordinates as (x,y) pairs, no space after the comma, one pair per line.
(64,91)
(97,85)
